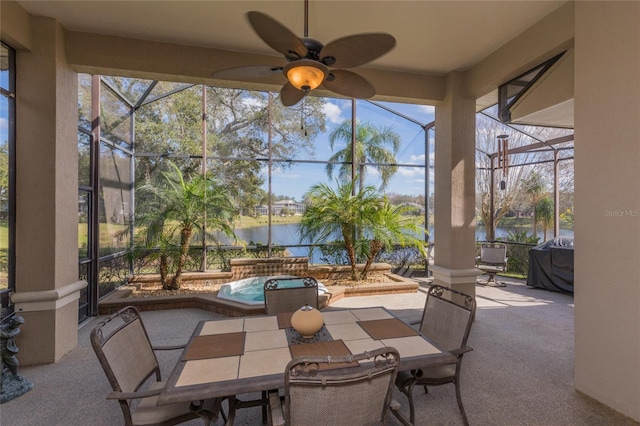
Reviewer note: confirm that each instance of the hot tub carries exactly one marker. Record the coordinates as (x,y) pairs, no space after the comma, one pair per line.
(250,291)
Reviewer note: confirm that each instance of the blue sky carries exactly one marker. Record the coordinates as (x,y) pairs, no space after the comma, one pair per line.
(4,108)
(295,180)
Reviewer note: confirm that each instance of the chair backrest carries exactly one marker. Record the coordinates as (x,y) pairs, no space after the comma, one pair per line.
(494,253)
(447,317)
(289,294)
(124,350)
(317,395)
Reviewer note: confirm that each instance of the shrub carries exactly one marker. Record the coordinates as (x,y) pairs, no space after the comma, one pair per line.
(518,262)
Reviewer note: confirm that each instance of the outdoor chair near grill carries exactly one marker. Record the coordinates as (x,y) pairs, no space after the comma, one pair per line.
(129,361)
(492,260)
(278,297)
(446,319)
(318,395)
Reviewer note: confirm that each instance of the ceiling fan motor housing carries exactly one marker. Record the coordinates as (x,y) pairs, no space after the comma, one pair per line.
(309,60)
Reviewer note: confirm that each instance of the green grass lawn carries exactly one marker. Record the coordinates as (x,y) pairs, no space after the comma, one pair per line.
(108,233)
(243,222)
(4,235)
(522,222)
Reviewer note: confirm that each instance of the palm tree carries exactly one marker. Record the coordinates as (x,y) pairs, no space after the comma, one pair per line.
(179,209)
(392,225)
(371,147)
(339,212)
(544,214)
(535,187)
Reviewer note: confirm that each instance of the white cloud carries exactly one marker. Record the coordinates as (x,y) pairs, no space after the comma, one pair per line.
(410,171)
(279,171)
(275,170)
(420,159)
(427,108)
(4,124)
(332,112)
(372,171)
(252,102)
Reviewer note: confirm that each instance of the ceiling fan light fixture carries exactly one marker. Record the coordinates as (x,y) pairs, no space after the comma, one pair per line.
(305,74)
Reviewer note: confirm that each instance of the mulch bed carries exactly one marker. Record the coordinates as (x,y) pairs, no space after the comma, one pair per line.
(150,290)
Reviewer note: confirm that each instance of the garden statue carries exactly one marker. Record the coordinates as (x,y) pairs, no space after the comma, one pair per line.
(12,384)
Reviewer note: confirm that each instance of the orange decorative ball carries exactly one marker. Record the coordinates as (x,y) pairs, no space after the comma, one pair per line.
(307,321)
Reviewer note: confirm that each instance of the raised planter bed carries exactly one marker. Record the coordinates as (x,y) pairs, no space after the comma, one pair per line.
(276,266)
(209,301)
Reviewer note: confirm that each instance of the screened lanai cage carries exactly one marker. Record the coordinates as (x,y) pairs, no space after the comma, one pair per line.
(7,177)
(265,157)
(524,185)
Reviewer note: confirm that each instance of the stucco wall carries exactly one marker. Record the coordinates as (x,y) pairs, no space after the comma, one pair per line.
(607,203)
(47,287)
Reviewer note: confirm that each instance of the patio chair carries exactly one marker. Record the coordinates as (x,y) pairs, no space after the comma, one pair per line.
(279,299)
(446,319)
(492,260)
(318,395)
(128,359)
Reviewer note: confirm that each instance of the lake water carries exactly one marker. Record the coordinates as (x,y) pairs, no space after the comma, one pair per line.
(288,234)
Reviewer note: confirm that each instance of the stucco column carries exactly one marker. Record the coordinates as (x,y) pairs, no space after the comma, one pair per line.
(47,286)
(607,203)
(454,217)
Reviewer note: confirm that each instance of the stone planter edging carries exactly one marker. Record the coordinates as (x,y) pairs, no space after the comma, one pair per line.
(209,302)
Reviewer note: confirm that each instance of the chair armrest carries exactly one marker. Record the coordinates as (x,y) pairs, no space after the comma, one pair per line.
(462,350)
(135,395)
(169,348)
(275,407)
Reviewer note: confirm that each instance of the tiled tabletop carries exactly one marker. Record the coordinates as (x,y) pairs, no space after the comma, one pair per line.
(266,354)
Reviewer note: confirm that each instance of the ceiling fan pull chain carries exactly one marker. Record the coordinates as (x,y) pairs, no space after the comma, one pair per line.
(303,117)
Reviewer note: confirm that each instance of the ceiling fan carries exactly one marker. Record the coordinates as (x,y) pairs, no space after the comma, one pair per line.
(312,64)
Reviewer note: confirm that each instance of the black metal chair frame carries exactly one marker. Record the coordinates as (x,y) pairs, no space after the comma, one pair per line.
(289,299)
(315,393)
(492,260)
(460,307)
(128,359)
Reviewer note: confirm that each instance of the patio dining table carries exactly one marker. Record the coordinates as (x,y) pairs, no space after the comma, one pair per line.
(249,354)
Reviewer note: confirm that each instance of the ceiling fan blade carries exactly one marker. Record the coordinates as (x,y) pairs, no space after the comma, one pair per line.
(276,35)
(241,73)
(350,84)
(359,49)
(290,96)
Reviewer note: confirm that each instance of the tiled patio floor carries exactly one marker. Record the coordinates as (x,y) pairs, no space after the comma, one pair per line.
(520,372)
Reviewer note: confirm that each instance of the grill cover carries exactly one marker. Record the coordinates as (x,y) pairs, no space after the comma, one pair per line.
(551,265)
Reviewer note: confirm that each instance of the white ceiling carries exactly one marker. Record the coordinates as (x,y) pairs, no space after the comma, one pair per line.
(433,37)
